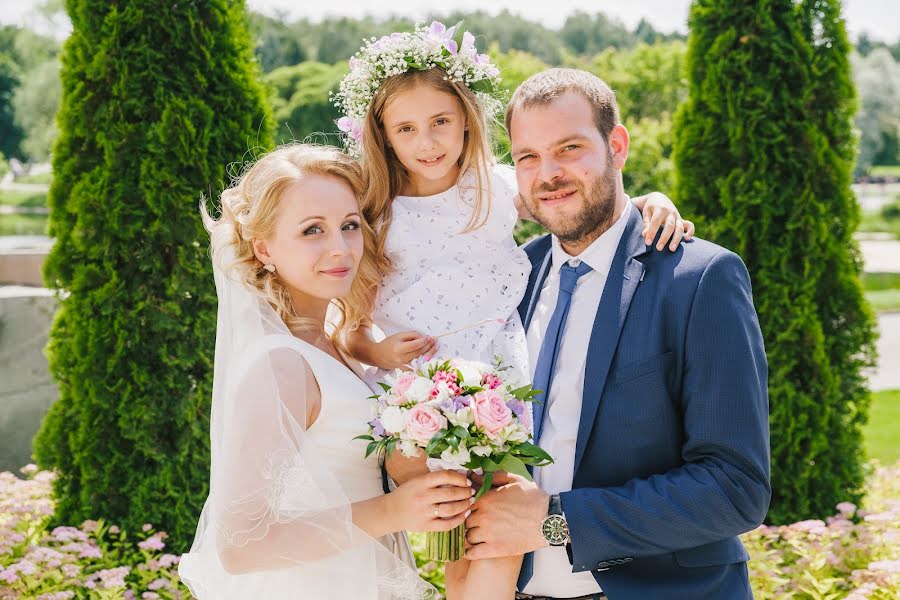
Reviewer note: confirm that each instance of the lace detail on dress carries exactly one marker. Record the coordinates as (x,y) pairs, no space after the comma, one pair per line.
(290,493)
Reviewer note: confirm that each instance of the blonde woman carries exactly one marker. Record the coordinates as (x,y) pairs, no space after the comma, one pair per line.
(294,508)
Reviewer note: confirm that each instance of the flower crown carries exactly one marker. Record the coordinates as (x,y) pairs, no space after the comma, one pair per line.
(424,48)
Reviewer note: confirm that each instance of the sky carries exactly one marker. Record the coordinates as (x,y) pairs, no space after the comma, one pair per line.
(880,18)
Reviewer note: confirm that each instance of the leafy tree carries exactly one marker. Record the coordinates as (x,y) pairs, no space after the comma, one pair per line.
(301,104)
(158,99)
(36,103)
(764,152)
(877,79)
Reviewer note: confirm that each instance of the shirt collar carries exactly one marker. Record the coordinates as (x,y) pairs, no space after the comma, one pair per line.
(599,255)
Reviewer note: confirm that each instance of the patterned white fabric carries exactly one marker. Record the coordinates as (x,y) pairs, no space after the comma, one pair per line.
(445,279)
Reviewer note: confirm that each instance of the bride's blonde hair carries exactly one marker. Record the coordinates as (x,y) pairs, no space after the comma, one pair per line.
(249,210)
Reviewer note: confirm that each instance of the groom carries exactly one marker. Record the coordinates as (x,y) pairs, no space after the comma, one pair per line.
(657,412)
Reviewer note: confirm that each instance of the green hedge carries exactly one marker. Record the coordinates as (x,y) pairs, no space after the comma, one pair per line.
(764,153)
(158,98)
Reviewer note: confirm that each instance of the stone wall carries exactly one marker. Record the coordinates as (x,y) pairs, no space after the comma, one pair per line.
(26,389)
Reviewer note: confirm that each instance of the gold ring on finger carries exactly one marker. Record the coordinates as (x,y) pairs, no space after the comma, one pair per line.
(437,511)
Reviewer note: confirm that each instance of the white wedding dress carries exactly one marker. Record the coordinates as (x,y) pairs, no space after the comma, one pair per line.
(444,279)
(277,523)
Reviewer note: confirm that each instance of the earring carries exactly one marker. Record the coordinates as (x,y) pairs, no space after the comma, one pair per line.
(467,128)
(269,267)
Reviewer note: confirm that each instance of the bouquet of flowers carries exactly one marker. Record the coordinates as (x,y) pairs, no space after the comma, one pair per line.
(464,415)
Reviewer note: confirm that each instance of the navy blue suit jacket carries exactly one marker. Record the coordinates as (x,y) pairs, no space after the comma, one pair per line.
(672,455)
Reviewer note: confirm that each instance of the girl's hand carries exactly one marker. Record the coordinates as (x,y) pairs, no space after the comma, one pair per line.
(437,501)
(398,350)
(660,212)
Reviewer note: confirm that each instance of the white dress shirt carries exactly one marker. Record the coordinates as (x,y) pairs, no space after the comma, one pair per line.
(553,574)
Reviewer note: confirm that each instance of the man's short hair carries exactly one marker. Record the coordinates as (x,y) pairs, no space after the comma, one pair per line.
(543,88)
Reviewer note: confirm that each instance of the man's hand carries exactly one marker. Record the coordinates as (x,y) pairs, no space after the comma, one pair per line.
(507,521)
(402,469)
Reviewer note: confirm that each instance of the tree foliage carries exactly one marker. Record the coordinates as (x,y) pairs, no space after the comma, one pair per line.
(158,98)
(764,151)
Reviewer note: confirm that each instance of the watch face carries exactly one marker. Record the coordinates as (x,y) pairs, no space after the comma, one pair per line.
(555,530)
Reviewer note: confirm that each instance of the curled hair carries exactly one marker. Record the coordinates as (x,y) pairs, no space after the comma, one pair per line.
(385,174)
(250,210)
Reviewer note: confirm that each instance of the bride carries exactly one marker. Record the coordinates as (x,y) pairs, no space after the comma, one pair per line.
(294,508)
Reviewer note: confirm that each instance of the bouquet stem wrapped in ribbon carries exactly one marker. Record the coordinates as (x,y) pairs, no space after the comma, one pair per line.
(469,416)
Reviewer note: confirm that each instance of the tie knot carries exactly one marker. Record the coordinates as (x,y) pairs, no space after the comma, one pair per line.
(568,275)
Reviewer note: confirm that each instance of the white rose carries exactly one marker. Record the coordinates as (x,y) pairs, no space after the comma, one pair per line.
(393,419)
(471,375)
(419,390)
(456,458)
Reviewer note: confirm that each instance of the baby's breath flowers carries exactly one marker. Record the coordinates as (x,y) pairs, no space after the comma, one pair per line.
(435,46)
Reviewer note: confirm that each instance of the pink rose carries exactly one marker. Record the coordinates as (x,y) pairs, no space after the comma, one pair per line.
(403,382)
(491,412)
(423,422)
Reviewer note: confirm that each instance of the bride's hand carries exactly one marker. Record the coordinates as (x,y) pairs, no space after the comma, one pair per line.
(396,351)
(438,501)
(402,469)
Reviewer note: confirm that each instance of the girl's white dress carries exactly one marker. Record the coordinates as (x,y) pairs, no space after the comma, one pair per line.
(445,279)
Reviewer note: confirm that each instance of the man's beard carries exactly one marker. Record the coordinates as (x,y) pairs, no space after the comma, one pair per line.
(595,217)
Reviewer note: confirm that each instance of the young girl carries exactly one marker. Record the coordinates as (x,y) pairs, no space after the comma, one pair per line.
(418,109)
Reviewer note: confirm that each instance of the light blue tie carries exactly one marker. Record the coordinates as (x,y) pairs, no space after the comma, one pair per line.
(546,364)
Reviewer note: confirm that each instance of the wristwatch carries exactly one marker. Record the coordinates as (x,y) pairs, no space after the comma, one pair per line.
(554,527)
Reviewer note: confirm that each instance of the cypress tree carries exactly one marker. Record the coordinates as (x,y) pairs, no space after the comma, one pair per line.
(158,99)
(764,154)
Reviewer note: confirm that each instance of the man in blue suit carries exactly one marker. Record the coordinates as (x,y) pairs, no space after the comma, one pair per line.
(657,410)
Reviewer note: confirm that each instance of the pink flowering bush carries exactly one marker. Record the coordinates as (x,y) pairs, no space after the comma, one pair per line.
(853,555)
(94,560)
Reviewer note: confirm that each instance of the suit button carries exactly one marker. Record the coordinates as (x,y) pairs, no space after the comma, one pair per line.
(603,565)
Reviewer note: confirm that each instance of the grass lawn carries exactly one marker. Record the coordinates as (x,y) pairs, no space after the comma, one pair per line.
(17,198)
(882,290)
(884,300)
(21,224)
(42,178)
(883,429)
(885,170)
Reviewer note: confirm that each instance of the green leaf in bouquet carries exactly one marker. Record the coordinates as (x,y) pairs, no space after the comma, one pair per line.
(389,446)
(460,432)
(527,449)
(434,442)
(371,448)
(485,485)
(511,464)
(490,465)
(364,437)
(525,393)
(453,441)
(384,386)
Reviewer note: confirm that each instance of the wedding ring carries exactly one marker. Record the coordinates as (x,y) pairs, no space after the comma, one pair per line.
(437,511)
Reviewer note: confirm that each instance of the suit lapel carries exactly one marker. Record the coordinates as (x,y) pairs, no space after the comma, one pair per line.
(624,275)
(539,254)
